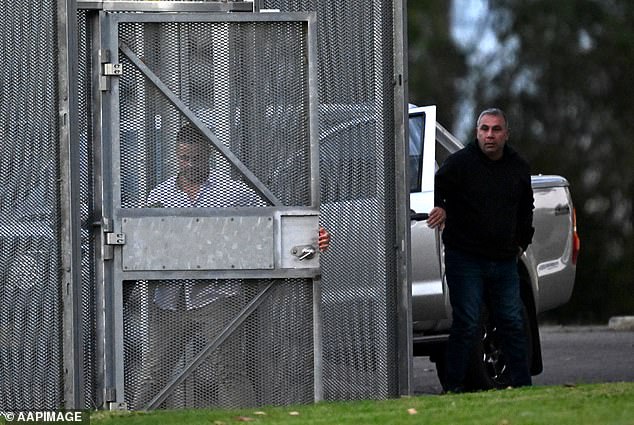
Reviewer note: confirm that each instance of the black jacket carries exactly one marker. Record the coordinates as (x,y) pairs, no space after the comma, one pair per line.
(489,204)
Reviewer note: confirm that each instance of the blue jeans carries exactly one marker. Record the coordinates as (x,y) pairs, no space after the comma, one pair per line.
(472,280)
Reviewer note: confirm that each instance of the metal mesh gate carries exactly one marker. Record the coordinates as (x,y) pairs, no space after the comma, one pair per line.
(267,360)
(244,81)
(193,335)
(356,92)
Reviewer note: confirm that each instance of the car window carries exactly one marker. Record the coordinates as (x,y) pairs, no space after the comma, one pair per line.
(441,154)
(446,144)
(416,131)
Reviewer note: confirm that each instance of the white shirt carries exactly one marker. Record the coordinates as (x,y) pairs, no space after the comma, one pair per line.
(224,194)
(228,193)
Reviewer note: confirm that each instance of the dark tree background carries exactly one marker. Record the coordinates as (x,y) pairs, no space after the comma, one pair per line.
(564,72)
(435,63)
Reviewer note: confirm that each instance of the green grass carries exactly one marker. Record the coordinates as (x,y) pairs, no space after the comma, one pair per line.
(576,405)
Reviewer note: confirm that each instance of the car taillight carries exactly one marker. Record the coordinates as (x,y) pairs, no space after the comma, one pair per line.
(576,242)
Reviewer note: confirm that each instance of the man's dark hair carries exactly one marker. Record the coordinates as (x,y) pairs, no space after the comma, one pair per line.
(493,111)
(188,134)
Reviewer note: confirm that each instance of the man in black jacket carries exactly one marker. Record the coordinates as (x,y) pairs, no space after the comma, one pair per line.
(484,203)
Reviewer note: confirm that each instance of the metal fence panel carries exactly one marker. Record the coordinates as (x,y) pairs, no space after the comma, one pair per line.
(359,273)
(31,355)
(87,207)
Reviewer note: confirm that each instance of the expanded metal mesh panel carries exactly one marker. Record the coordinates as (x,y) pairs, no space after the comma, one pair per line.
(356,96)
(266,360)
(247,82)
(30,301)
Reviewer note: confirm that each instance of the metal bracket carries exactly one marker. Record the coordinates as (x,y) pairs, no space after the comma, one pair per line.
(115,238)
(112,69)
(110,239)
(108,69)
(110,401)
(117,406)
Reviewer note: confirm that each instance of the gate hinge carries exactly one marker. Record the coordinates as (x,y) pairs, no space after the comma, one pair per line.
(110,238)
(115,238)
(112,69)
(108,69)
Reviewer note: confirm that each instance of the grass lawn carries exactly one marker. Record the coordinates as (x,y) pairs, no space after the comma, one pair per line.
(555,405)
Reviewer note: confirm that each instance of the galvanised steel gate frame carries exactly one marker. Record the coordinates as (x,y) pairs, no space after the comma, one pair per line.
(288,231)
(71,240)
(280,232)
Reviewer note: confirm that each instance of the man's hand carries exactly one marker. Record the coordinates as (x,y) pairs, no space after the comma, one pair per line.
(324,239)
(437,218)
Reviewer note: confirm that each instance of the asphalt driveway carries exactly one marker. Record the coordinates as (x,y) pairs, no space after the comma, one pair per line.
(572,355)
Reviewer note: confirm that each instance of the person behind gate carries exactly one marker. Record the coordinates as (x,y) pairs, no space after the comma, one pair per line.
(184,316)
(484,204)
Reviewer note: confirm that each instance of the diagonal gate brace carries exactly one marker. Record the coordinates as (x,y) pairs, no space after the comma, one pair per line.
(212,346)
(211,137)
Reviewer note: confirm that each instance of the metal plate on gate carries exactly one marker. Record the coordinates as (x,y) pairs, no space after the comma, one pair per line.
(198,243)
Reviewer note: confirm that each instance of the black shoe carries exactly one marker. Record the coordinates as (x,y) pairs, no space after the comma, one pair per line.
(453,390)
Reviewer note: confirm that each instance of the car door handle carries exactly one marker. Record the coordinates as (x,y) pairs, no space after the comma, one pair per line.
(413,215)
(562,209)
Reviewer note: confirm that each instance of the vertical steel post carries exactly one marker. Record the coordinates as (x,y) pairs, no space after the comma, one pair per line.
(401,146)
(109,350)
(70,207)
(315,197)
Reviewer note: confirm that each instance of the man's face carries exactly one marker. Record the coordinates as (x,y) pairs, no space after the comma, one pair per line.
(193,161)
(492,135)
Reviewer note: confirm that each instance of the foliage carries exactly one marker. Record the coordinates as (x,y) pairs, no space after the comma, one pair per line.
(435,64)
(575,405)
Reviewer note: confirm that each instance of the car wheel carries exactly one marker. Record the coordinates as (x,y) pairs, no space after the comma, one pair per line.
(488,367)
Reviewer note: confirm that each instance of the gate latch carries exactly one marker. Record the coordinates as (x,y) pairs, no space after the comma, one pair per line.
(305,252)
